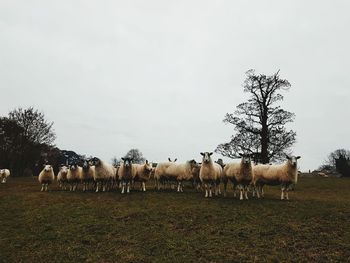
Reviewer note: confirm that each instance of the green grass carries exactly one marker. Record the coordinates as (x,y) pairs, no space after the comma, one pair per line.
(167,226)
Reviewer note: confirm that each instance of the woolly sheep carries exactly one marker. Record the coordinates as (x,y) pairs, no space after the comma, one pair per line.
(141,173)
(62,177)
(159,173)
(73,176)
(239,174)
(105,174)
(284,174)
(4,174)
(46,177)
(181,172)
(125,174)
(210,174)
(87,175)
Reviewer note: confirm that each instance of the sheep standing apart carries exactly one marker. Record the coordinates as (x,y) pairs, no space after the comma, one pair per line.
(210,174)
(46,177)
(160,175)
(125,174)
(104,174)
(4,174)
(62,177)
(181,172)
(141,173)
(284,174)
(240,174)
(87,175)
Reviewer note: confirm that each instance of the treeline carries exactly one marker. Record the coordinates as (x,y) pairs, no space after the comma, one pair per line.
(26,143)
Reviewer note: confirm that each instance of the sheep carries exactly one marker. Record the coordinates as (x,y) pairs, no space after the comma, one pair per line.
(159,173)
(62,177)
(87,175)
(141,173)
(240,174)
(210,174)
(4,174)
(284,174)
(181,172)
(125,174)
(73,176)
(104,174)
(46,177)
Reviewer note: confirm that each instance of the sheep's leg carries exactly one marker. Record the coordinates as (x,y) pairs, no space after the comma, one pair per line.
(42,187)
(123,187)
(144,186)
(246,192)
(178,186)
(282,193)
(210,190)
(97,184)
(128,187)
(234,191)
(262,191)
(240,192)
(206,190)
(287,197)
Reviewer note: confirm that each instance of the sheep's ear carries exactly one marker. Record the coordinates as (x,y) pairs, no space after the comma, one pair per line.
(287,156)
(211,153)
(169,159)
(175,160)
(241,154)
(146,161)
(202,154)
(298,157)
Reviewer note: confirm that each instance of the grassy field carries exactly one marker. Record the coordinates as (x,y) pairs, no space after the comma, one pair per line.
(167,226)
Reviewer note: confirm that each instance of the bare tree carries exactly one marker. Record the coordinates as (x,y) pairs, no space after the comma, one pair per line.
(259,122)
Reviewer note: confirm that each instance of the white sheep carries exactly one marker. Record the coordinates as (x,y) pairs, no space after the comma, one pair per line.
(73,176)
(125,174)
(239,174)
(104,174)
(141,173)
(62,177)
(159,173)
(210,174)
(181,172)
(46,177)
(4,174)
(284,174)
(87,175)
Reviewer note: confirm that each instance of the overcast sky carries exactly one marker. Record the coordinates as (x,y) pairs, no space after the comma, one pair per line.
(160,75)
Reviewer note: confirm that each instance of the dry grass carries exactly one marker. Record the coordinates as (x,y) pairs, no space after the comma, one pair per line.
(174,227)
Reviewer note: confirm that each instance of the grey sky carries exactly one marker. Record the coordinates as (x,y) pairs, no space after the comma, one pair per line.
(160,75)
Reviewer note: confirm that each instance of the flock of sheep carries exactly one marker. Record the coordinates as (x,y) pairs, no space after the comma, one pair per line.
(96,175)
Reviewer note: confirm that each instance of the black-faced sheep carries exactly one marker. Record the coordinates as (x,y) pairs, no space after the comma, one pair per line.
(125,174)
(87,175)
(104,174)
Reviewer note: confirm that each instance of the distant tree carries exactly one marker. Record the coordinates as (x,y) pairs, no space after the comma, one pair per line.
(136,155)
(35,128)
(115,161)
(260,123)
(338,160)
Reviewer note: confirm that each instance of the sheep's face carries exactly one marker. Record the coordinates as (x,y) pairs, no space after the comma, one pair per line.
(127,162)
(148,167)
(47,168)
(73,167)
(171,160)
(64,169)
(95,161)
(293,160)
(86,165)
(246,158)
(206,157)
